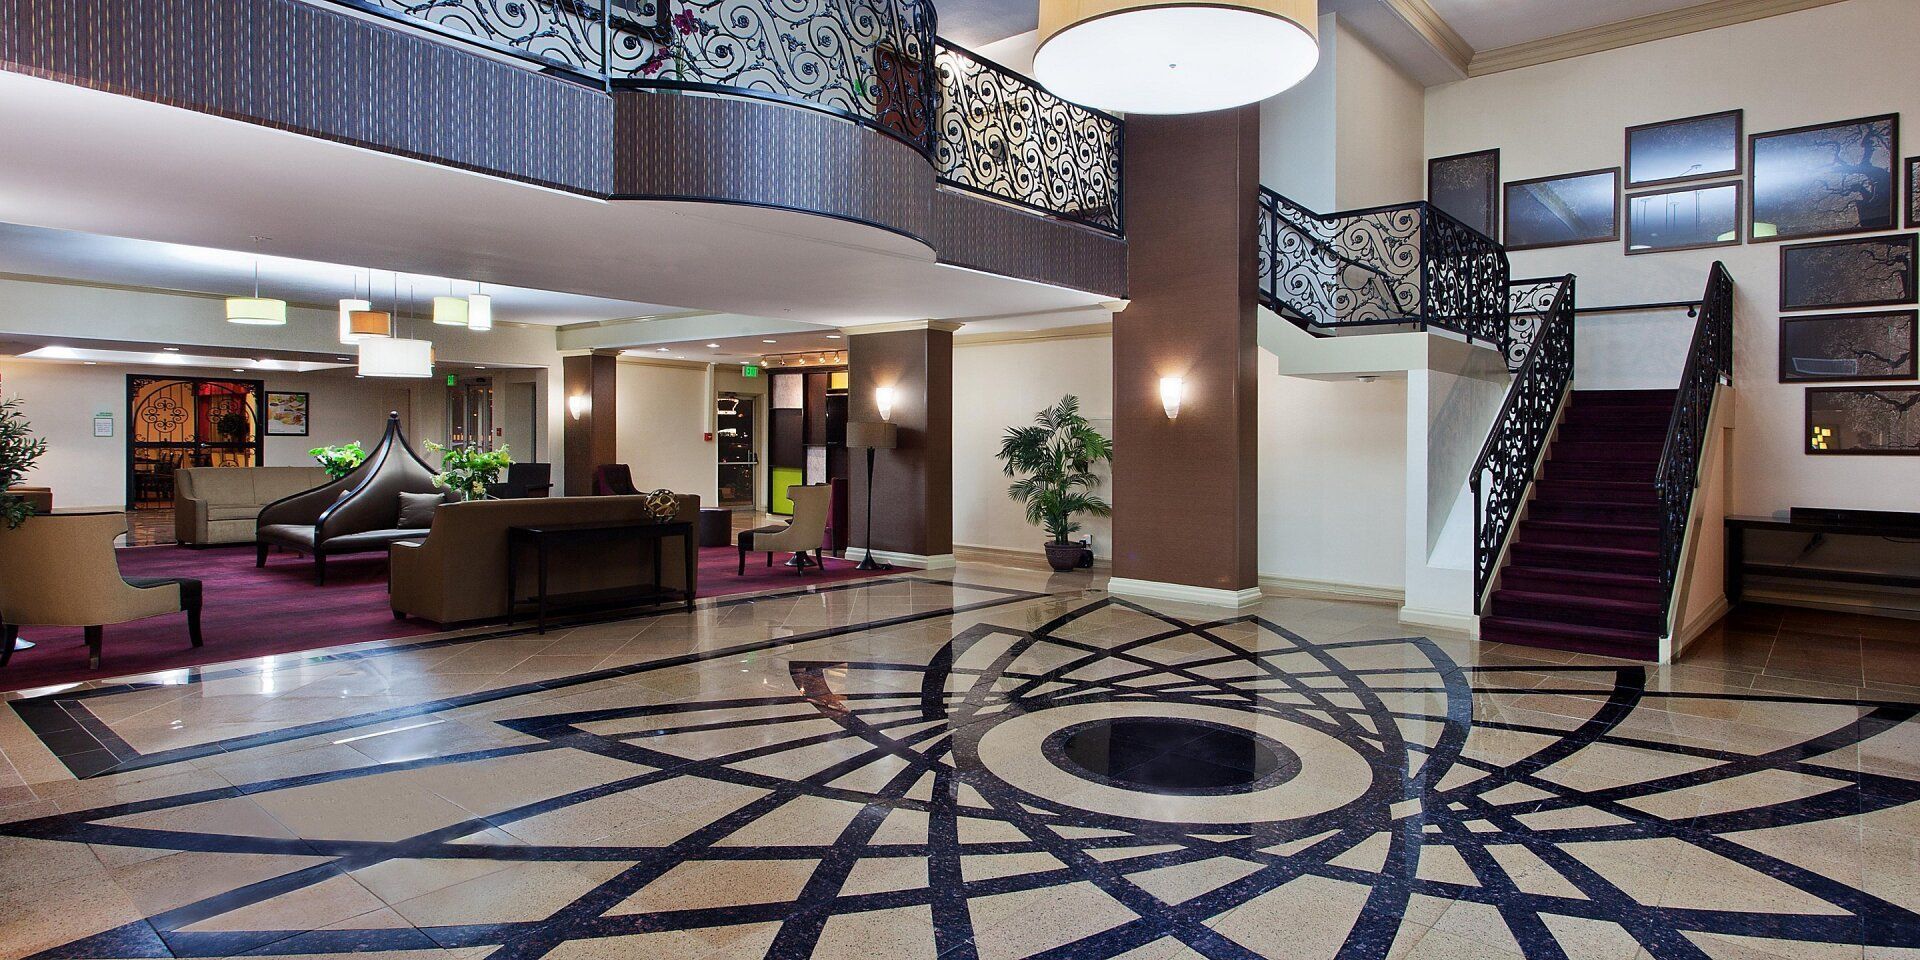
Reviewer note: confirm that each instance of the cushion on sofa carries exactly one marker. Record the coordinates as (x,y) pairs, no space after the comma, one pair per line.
(223,486)
(416,510)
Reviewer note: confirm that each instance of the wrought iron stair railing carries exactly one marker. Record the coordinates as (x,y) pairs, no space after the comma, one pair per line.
(1405,264)
(1709,364)
(1542,314)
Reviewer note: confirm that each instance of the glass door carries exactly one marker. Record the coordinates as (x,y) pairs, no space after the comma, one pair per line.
(177,422)
(738,461)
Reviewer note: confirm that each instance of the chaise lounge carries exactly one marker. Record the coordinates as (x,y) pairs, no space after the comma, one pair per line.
(358,513)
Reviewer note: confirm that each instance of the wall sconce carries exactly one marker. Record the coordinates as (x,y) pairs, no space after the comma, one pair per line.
(578,405)
(1170,390)
(883,398)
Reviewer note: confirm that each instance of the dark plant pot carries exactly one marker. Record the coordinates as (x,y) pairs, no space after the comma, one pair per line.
(1067,556)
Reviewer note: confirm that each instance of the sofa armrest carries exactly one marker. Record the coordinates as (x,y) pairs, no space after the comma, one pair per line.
(189,519)
(411,572)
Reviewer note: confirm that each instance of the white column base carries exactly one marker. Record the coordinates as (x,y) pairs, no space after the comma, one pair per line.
(937,562)
(1183,593)
(1444,619)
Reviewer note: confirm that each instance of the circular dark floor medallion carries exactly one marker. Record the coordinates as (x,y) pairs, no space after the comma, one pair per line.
(1171,755)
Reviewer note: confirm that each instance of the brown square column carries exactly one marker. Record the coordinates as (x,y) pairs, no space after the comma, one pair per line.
(589,438)
(912,483)
(1185,493)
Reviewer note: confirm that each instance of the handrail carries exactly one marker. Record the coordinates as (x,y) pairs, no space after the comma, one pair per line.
(1503,474)
(1709,364)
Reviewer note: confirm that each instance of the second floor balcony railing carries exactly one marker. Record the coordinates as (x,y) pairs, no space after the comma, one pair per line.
(878,63)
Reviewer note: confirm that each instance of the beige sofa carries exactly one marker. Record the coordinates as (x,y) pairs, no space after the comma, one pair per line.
(459,572)
(220,504)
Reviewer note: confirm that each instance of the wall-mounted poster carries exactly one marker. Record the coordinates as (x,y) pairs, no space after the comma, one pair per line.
(287,414)
(1913,193)
(1683,218)
(1467,185)
(1564,210)
(1848,346)
(1867,272)
(1881,421)
(1823,180)
(1673,151)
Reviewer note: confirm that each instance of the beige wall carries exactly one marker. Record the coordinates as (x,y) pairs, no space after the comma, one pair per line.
(1332,479)
(662,422)
(1348,136)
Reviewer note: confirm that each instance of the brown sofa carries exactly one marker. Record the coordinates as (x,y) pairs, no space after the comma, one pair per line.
(459,572)
(358,513)
(220,504)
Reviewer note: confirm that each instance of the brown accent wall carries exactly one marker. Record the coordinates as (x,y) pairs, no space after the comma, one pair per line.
(913,484)
(1184,491)
(590,440)
(972,231)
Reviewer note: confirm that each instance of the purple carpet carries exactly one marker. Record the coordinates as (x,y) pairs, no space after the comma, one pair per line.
(1584,570)
(251,612)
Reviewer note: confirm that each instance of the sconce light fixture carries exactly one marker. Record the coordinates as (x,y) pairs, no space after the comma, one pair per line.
(1170,390)
(578,405)
(883,398)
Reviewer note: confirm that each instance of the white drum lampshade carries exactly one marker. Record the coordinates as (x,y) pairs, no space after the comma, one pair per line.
(1139,56)
(479,312)
(450,311)
(392,359)
(257,311)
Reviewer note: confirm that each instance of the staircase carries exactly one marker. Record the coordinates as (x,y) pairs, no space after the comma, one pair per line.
(1584,568)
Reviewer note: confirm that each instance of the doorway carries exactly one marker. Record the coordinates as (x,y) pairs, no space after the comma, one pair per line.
(177,422)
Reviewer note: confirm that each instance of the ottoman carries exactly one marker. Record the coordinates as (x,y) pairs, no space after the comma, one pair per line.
(716,527)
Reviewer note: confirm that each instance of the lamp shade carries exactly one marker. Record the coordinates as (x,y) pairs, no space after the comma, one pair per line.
(348,308)
(364,325)
(450,311)
(872,435)
(257,311)
(479,312)
(396,358)
(1154,56)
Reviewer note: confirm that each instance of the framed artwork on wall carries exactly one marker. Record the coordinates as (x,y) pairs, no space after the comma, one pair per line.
(1467,185)
(1561,211)
(1824,180)
(1849,346)
(1913,193)
(1867,272)
(1863,421)
(1676,151)
(1683,218)
(287,414)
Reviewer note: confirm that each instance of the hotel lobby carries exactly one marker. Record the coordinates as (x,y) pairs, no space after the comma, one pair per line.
(962,479)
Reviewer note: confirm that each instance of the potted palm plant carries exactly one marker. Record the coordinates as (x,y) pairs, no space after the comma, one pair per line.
(19,450)
(1054,460)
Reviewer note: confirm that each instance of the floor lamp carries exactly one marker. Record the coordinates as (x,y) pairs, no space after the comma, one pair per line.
(873,435)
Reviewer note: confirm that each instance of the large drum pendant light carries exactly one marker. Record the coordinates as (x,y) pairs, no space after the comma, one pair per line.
(1139,56)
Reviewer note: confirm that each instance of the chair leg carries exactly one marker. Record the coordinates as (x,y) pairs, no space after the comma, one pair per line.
(260,560)
(769,559)
(743,563)
(9,635)
(319,569)
(93,647)
(193,622)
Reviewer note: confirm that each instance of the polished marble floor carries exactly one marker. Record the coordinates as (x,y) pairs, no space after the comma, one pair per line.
(981,763)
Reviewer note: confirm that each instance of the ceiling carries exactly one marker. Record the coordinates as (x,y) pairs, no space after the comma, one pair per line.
(752,349)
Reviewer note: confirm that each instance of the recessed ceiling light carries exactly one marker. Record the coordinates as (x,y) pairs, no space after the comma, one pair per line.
(661,349)
(344,359)
(171,349)
(713,346)
(91,363)
(238,370)
(833,336)
(766,341)
(479,368)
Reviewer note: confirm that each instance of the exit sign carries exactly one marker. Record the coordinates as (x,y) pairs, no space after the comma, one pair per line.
(453,379)
(749,370)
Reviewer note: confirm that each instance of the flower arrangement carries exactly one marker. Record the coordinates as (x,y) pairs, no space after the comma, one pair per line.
(467,468)
(340,460)
(19,450)
(682,27)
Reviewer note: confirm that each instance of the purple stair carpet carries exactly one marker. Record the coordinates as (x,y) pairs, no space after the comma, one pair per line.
(1584,570)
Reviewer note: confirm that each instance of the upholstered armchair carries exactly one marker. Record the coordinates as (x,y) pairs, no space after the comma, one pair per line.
(613,480)
(524,480)
(59,571)
(800,536)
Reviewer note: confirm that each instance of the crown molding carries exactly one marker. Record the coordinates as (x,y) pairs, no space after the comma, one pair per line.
(1610,36)
(1083,331)
(946,326)
(1422,19)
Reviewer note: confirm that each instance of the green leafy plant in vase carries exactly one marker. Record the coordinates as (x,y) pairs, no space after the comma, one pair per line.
(340,459)
(1054,461)
(19,451)
(467,468)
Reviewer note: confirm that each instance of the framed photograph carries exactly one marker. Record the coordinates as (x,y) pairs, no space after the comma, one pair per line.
(1867,272)
(1913,193)
(1863,421)
(1683,218)
(1849,346)
(1467,185)
(287,414)
(1824,180)
(1562,211)
(1676,151)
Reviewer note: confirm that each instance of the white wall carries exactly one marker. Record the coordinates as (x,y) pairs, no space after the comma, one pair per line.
(1332,479)
(1348,136)
(1297,132)
(662,417)
(1000,385)
(1829,63)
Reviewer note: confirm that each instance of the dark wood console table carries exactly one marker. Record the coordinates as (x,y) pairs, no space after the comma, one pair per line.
(1737,567)
(543,538)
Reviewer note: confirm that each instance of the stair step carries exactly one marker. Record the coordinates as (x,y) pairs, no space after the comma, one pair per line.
(1570,557)
(1569,510)
(1607,451)
(1583,583)
(1613,431)
(1607,470)
(1573,610)
(1624,398)
(1619,536)
(1595,491)
(1628,644)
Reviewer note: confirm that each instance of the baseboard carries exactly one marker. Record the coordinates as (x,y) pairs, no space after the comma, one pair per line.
(1330,590)
(1463,623)
(1183,593)
(1692,629)
(940,561)
(1030,559)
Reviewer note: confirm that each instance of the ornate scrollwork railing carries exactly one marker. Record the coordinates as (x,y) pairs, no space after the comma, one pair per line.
(1709,364)
(1404,264)
(568,35)
(1504,472)
(998,133)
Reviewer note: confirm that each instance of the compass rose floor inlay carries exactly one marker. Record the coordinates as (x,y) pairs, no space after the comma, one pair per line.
(989,764)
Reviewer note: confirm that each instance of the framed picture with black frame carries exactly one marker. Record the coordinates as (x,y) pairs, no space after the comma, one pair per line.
(1467,185)
(1913,193)
(1824,180)
(1683,218)
(1842,274)
(287,414)
(1863,421)
(1563,210)
(1849,346)
(1706,147)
